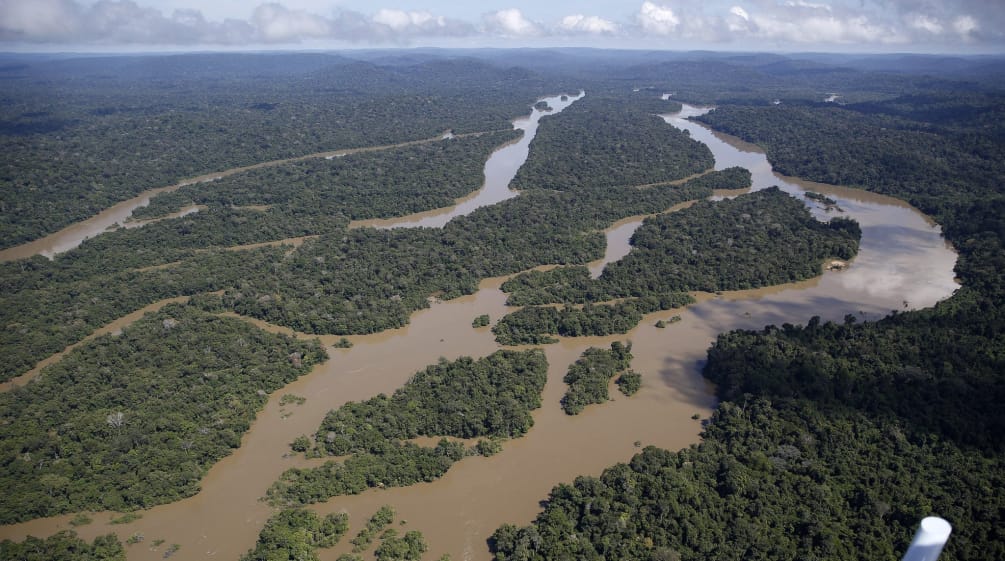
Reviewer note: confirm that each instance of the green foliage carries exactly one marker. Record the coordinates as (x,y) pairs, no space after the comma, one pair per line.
(533,324)
(126,518)
(379,184)
(832,440)
(629,382)
(924,367)
(63,546)
(589,376)
(289,398)
(300,443)
(779,480)
(295,534)
(602,141)
(380,520)
(465,398)
(488,447)
(754,240)
(372,280)
(132,420)
(81,519)
(410,547)
(481,321)
(932,167)
(84,133)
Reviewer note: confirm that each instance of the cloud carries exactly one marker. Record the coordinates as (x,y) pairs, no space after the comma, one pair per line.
(657,19)
(416,24)
(579,23)
(965,25)
(924,22)
(277,24)
(511,23)
(124,22)
(40,18)
(764,24)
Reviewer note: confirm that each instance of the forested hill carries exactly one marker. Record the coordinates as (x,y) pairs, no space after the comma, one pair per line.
(833,441)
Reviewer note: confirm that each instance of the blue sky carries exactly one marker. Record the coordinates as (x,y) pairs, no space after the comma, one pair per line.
(942,26)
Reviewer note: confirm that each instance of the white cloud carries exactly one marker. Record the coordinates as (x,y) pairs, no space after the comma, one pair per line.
(38,18)
(579,23)
(111,22)
(810,5)
(399,20)
(511,22)
(965,25)
(738,20)
(926,23)
(657,19)
(761,23)
(277,24)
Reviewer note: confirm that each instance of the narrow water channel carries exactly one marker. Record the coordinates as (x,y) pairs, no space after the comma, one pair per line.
(500,169)
(903,262)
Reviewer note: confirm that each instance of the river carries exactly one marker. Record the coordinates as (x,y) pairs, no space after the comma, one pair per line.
(120,214)
(903,263)
(500,169)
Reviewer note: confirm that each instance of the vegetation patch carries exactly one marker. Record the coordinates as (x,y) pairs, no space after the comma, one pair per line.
(64,546)
(133,420)
(533,325)
(629,383)
(590,375)
(465,398)
(296,534)
(380,520)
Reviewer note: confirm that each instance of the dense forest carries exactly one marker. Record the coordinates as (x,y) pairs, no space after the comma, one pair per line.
(535,325)
(751,241)
(589,377)
(83,134)
(833,441)
(760,239)
(64,546)
(465,398)
(131,420)
(605,141)
(296,534)
(357,281)
(378,184)
(830,441)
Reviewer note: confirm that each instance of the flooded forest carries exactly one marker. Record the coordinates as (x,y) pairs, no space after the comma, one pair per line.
(509,305)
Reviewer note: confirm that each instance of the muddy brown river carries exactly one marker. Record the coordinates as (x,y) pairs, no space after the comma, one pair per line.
(903,263)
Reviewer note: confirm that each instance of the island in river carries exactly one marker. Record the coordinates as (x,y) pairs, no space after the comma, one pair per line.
(405,295)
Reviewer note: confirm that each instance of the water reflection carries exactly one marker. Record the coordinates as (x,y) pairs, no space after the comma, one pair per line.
(903,256)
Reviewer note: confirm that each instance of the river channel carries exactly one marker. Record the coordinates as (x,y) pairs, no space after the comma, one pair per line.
(500,169)
(903,263)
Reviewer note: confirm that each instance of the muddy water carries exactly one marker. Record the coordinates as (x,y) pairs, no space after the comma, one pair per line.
(500,169)
(903,258)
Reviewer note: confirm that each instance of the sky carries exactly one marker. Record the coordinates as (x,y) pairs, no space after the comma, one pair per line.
(925,26)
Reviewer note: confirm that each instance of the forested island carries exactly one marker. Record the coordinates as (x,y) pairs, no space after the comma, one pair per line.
(831,439)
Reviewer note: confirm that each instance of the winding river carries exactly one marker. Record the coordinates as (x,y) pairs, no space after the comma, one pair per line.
(500,169)
(903,263)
